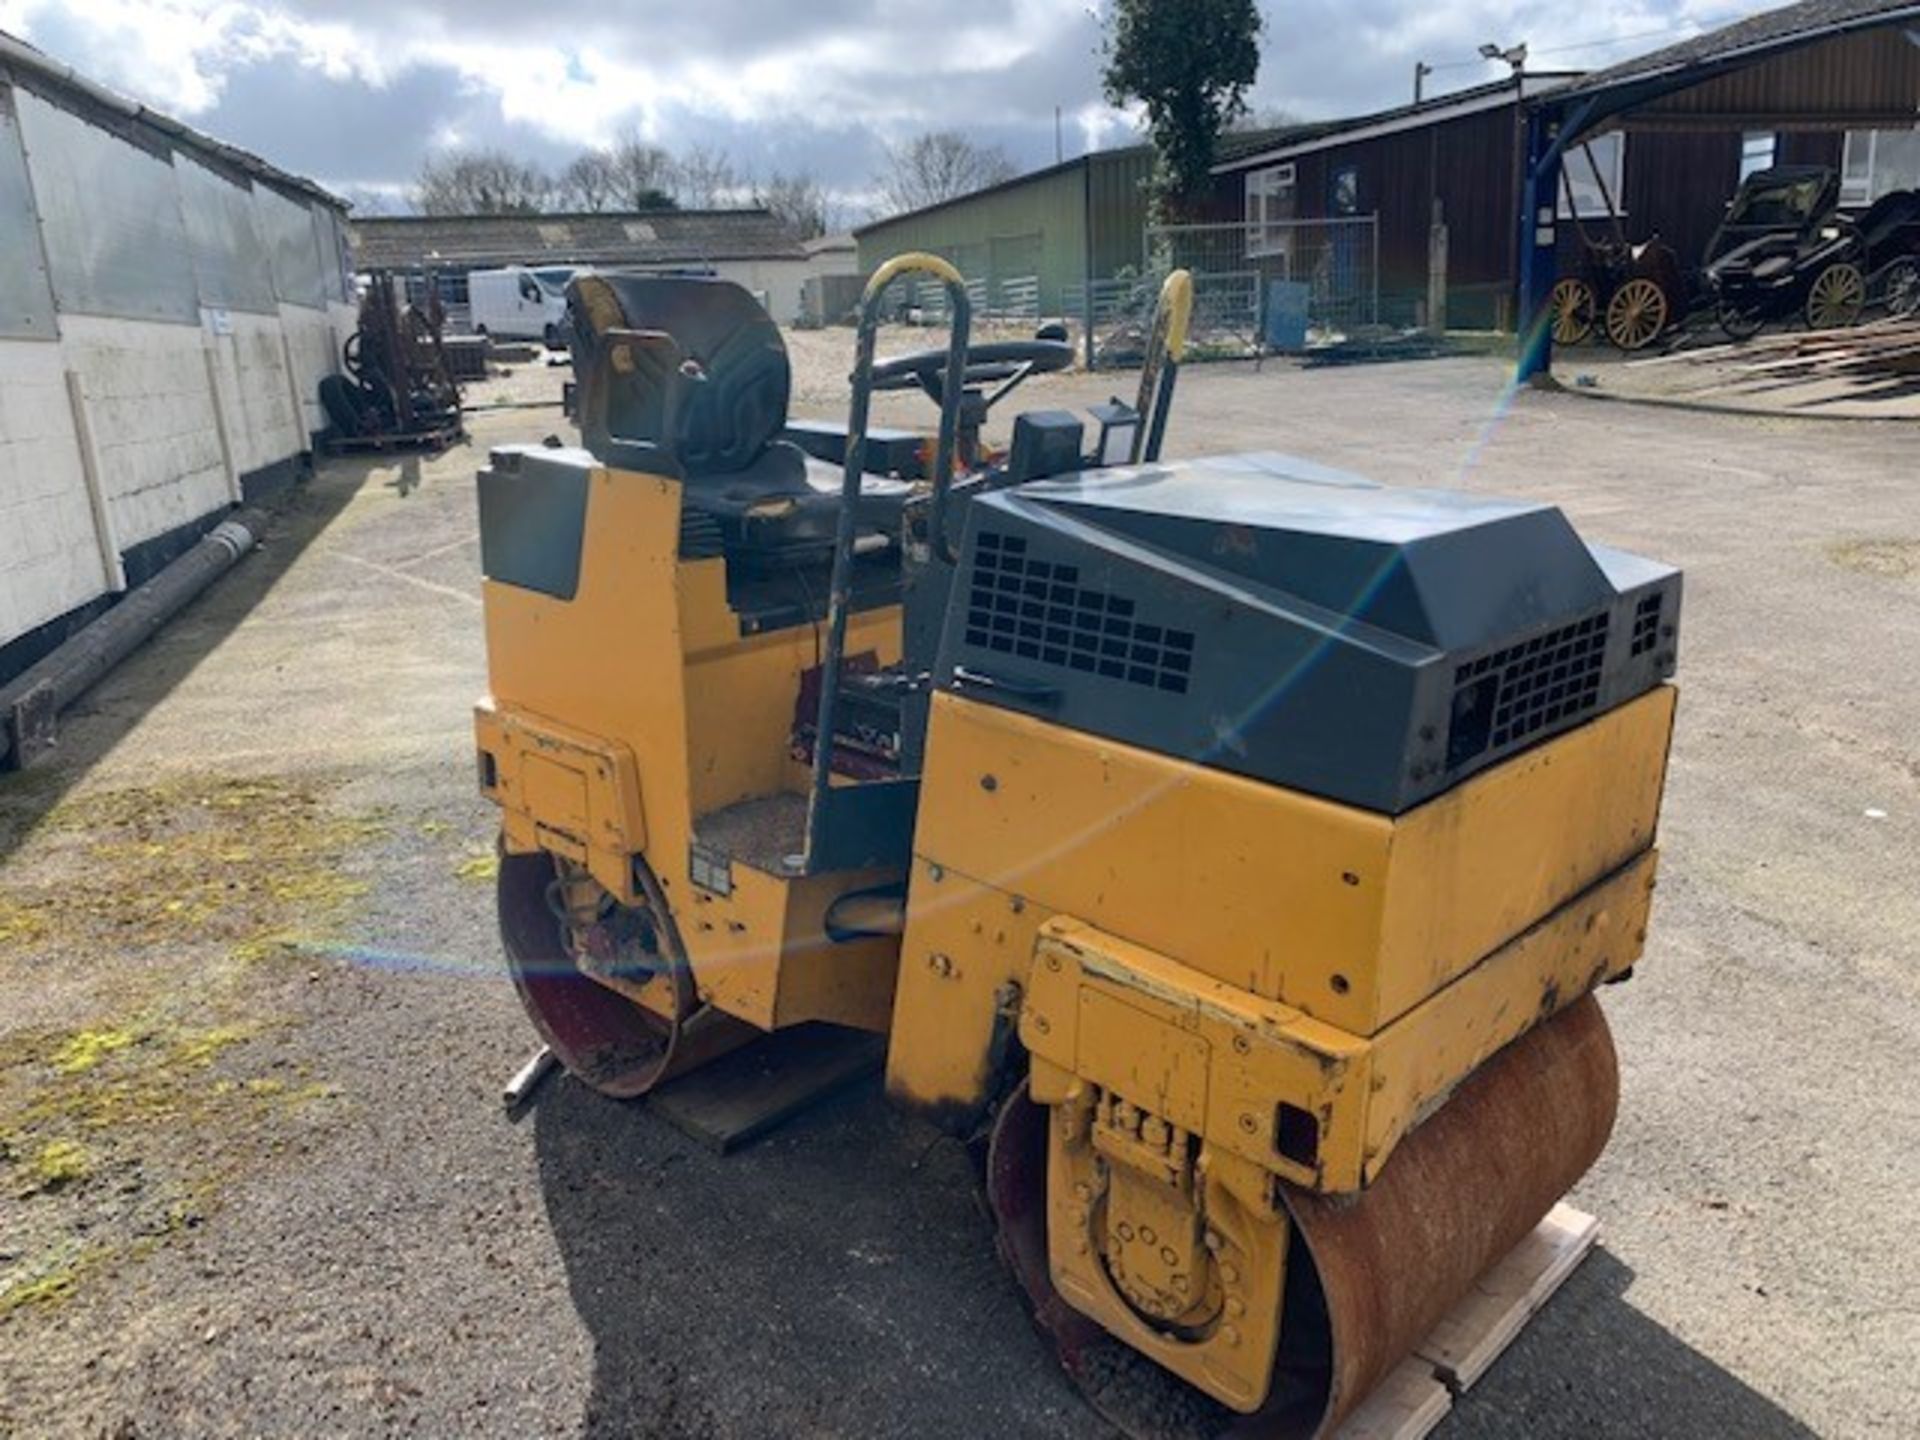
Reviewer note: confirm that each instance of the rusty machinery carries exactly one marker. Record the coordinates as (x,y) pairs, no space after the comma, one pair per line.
(1230,847)
(398,388)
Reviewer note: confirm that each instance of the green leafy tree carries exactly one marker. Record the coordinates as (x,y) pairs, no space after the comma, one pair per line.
(1190,63)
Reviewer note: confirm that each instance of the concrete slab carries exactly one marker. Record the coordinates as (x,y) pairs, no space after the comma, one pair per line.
(374,1248)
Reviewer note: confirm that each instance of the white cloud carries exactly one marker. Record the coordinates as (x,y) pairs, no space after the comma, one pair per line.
(781,83)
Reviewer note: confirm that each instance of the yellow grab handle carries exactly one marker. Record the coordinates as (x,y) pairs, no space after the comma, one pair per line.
(1176,299)
(893,269)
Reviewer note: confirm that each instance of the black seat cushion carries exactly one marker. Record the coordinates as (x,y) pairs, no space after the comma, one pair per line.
(787,498)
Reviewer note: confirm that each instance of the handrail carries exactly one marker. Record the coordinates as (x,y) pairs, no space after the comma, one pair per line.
(840,586)
(1166,347)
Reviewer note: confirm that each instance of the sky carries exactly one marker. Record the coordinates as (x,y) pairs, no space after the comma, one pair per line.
(357,94)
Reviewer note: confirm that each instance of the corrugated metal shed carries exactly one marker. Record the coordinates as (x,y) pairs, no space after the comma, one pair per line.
(1050,225)
(650,237)
(168,308)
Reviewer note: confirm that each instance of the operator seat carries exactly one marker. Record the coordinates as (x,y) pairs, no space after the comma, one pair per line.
(705,395)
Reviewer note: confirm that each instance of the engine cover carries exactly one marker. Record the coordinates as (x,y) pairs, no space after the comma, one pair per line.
(1268,616)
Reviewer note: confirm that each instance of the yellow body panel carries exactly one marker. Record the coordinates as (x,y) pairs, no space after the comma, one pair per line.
(1200,1248)
(1218,1062)
(637,707)
(1225,988)
(1346,915)
(583,792)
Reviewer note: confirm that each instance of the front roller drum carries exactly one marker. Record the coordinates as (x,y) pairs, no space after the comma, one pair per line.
(1371,1275)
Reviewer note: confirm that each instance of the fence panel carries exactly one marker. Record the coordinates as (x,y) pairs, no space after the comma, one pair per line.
(1237,309)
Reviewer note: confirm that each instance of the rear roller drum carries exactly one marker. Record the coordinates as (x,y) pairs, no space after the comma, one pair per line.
(1367,1278)
(595,1023)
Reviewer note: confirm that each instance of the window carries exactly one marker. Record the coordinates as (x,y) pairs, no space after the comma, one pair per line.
(1344,199)
(1756,151)
(1593,171)
(1270,204)
(1875,162)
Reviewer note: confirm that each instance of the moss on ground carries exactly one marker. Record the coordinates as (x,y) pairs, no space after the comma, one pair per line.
(480,869)
(120,1130)
(1890,559)
(195,860)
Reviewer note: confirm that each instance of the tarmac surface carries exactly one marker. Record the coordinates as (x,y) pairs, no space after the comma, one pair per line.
(254,1174)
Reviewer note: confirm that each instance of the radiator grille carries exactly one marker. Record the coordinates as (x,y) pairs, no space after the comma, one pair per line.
(1502,698)
(1646,623)
(1038,610)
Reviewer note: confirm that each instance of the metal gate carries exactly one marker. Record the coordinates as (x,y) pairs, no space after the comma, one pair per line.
(1258,287)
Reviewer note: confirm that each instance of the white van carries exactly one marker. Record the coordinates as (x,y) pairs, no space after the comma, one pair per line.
(518,303)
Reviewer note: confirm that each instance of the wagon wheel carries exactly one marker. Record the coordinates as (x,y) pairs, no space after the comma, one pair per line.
(1637,314)
(1900,287)
(1574,307)
(1836,296)
(1741,322)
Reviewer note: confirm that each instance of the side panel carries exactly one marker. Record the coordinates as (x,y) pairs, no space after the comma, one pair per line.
(1243,877)
(1344,915)
(607,663)
(643,668)
(1475,867)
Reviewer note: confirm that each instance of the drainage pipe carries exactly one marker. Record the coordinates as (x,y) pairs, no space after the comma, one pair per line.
(32,700)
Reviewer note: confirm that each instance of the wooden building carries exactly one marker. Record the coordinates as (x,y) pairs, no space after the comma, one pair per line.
(1829,82)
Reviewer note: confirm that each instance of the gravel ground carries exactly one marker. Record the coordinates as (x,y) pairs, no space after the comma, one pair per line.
(254,1178)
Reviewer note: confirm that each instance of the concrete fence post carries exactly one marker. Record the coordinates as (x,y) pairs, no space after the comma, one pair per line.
(104,534)
(209,354)
(1437,270)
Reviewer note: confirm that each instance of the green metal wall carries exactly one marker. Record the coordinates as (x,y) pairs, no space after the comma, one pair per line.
(1033,226)
(1117,181)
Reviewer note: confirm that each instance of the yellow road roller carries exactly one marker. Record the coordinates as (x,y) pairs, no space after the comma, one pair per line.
(1230,846)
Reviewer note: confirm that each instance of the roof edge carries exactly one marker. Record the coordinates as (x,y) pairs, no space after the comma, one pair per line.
(17,52)
(1740,55)
(1045,172)
(1323,134)
(548,216)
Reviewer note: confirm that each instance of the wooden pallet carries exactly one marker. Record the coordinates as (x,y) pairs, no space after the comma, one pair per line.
(438,438)
(1417,1396)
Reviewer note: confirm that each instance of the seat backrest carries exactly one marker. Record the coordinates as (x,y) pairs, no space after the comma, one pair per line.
(728,399)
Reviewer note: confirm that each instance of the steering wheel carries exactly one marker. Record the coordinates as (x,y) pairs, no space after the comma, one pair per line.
(1000,362)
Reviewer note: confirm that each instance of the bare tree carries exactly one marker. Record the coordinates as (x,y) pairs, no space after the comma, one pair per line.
(371,200)
(480,182)
(703,178)
(644,174)
(591,181)
(798,199)
(936,166)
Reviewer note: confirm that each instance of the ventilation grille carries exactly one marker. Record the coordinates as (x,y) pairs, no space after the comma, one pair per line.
(1039,611)
(1502,698)
(1646,623)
